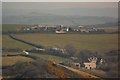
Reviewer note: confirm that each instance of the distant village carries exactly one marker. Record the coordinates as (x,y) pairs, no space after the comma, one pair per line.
(61,29)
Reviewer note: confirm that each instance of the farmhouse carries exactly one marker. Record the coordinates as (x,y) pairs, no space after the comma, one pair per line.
(90,65)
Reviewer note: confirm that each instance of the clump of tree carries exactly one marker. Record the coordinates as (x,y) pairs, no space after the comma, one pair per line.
(83,55)
(112,60)
(70,50)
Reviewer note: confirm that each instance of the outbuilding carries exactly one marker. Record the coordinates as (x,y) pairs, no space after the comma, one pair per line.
(90,65)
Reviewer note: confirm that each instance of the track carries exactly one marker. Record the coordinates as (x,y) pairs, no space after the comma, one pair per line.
(81,73)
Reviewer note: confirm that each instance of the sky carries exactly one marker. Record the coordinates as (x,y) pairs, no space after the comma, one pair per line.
(61,8)
(60,0)
(57,5)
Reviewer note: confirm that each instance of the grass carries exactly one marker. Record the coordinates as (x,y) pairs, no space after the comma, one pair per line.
(111,29)
(52,58)
(7,42)
(13,60)
(96,42)
(12,27)
(9,61)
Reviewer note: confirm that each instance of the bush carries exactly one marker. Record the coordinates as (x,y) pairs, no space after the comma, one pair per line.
(85,54)
(104,67)
(70,50)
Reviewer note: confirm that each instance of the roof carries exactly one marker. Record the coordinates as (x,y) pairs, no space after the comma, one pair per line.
(92,64)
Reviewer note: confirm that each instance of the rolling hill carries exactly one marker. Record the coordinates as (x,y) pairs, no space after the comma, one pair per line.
(44,18)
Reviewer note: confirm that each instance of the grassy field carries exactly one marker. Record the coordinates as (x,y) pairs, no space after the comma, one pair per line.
(7,42)
(12,27)
(9,61)
(97,42)
(52,58)
(111,29)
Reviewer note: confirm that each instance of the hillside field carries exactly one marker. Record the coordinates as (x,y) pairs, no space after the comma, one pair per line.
(9,43)
(96,42)
(12,27)
(9,61)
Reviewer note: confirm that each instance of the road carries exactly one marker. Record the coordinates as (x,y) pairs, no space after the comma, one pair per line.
(81,73)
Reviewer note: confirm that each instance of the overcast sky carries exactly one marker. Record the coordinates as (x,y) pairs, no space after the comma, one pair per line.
(58,5)
(60,0)
(62,8)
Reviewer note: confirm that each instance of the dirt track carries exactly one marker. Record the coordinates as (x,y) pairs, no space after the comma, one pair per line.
(82,74)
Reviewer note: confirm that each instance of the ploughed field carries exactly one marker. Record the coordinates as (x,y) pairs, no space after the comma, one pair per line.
(95,42)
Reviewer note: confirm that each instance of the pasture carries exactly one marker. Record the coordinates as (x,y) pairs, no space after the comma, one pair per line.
(95,42)
(9,61)
(52,58)
(9,43)
(12,27)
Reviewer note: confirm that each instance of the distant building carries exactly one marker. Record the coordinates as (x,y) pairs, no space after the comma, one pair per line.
(91,64)
(40,49)
(60,31)
(73,58)
(84,30)
(59,49)
(76,65)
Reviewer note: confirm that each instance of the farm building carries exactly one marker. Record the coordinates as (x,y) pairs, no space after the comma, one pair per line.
(60,32)
(90,65)
(76,65)
(59,49)
(40,49)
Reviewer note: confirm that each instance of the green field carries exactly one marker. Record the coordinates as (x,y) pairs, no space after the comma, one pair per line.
(9,43)
(12,27)
(52,58)
(9,61)
(98,42)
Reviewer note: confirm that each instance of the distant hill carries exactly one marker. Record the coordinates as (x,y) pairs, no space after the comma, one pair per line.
(43,18)
(105,25)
